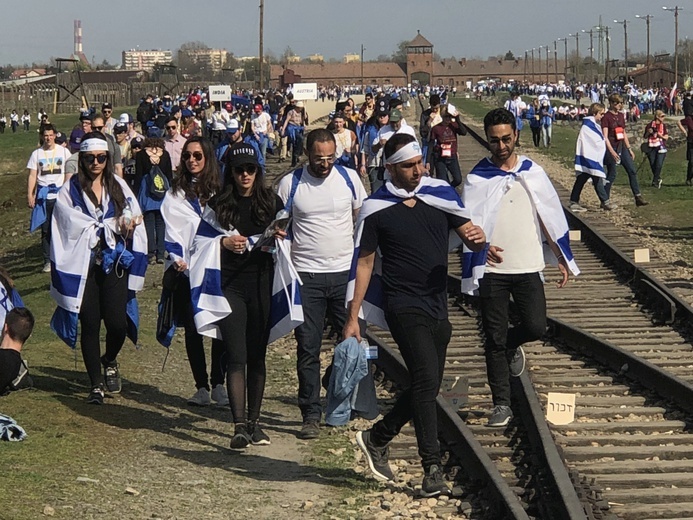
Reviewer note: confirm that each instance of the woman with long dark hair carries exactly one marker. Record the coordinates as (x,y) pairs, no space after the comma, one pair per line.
(98,253)
(195,183)
(243,210)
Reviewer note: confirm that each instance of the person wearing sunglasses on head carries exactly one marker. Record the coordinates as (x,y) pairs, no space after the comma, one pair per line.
(153,177)
(244,209)
(99,260)
(195,183)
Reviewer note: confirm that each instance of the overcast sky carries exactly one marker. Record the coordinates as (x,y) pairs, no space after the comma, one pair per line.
(33,32)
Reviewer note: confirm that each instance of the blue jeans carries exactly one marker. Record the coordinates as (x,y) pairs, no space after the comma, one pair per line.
(628,165)
(321,293)
(495,290)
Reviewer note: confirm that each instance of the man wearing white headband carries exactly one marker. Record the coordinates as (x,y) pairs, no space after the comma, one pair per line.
(408,223)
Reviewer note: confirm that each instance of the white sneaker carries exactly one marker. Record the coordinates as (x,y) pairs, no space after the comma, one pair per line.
(200,398)
(219,395)
(576,208)
(46,267)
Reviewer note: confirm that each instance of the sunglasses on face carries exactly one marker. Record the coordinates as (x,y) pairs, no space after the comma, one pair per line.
(172,127)
(98,128)
(186,156)
(106,111)
(100,158)
(250,169)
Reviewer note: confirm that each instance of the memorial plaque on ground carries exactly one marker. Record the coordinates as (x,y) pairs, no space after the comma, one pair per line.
(455,390)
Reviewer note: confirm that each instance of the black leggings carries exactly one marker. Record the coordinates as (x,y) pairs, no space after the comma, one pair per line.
(105,297)
(194,344)
(245,333)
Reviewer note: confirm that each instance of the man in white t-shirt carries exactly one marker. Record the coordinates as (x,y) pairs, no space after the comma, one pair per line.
(46,175)
(506,185)
(324,200)
(395,126)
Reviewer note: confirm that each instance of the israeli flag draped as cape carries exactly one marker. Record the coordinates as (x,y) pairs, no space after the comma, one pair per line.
(433,192)
(182,217)
(483,190)
(590,149)
(209,303)
(76,230)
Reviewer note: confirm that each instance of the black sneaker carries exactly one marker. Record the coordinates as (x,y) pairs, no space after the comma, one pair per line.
(434,483)
(377,457)
(111,376)
(257,436)
(96,395)
(309,430)
(501,416)
(517,363)
(241,438)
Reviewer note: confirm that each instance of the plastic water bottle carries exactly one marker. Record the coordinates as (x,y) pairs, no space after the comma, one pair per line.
(127,215)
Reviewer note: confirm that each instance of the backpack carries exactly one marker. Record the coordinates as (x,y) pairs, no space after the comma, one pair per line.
(158,183)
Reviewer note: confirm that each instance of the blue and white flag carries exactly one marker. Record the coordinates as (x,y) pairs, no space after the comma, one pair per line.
(9,299)
(590,149)
(209,303)
(433,192)
(483,190)
(77,228)
(181,218)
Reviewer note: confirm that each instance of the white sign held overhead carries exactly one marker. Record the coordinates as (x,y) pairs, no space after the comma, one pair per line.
(305,91)
(219,92)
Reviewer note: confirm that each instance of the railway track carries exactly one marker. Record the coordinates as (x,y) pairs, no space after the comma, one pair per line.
(619,340)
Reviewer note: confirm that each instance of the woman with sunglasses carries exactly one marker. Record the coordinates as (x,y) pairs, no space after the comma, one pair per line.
(153,157)
(244,209)
(99,259)
(195,183)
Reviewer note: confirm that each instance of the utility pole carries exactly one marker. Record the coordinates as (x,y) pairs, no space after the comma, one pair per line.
(676,39)
(577,57)
(647,19)
(362,85)
(555,61)
(608,57)
(539,58)
(547,64)
(524,72)
(625,46)
(532,64)
(565,57)
(262,50)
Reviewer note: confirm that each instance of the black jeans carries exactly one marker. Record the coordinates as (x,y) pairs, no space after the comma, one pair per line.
(501,343)
(46,231)
(689,158)
(656,161)
(105,297)
(194,342)
(245,333)
(423,342)
(445,165)
(580,182)
(156,228)
(320,293)
(536,135)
